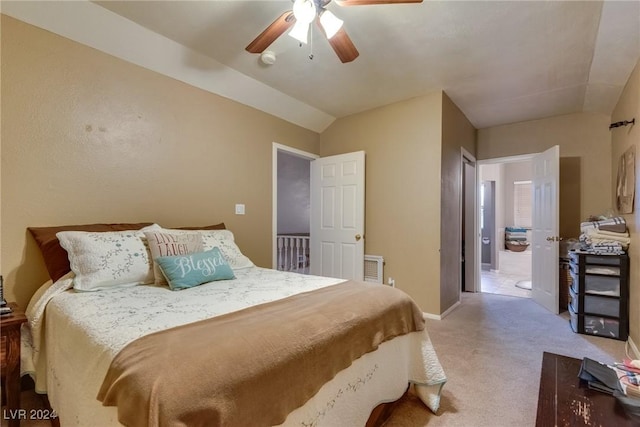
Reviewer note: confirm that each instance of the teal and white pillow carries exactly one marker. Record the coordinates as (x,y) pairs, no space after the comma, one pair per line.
(187,271)
(166,243)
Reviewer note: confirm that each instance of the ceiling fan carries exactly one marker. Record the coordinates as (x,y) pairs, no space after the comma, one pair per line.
(302,16)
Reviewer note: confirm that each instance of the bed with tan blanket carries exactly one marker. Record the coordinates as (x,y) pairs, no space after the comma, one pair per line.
(263,348)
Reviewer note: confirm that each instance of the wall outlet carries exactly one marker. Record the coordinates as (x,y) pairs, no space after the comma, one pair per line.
(392,282)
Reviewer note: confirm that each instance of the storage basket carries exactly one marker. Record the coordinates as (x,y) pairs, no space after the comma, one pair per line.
(517,247)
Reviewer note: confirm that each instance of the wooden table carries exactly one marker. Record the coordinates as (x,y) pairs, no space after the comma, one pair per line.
(10,344)
(565,400)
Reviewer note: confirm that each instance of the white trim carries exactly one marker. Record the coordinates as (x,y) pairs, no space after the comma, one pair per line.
(443,315)
(92,25)
(274,193)
(476,241)
(508,159)
(634,349)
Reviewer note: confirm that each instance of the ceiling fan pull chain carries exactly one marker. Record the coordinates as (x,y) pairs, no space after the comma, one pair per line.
(311,42)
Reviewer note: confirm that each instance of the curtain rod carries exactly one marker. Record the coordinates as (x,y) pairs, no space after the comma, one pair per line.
(622,123)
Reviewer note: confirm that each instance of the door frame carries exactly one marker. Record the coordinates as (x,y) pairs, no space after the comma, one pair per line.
(479,163)
(473,284)
(276,147)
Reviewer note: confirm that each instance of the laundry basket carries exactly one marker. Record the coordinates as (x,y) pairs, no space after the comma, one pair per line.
(517,246)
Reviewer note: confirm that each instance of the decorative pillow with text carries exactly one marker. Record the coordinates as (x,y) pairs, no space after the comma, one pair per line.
(165,243)
(187,271)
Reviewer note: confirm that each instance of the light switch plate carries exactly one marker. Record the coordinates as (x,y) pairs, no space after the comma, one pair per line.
(239,209)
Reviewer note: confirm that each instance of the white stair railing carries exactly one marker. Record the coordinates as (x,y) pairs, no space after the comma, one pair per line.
(293,253)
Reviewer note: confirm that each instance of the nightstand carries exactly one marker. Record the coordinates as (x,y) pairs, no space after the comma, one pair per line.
(10,346)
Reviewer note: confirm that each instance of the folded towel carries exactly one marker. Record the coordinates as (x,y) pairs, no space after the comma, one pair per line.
(617,224)
(595,235)
(517,229)
(612,233)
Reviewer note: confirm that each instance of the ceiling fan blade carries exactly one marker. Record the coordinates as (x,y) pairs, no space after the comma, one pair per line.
(366,2)
(343,46)
(271,33)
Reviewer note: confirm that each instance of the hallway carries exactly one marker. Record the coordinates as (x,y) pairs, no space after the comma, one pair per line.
(514,269)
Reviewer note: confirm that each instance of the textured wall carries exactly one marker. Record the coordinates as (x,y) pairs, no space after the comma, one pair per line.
(90,138)
(583,137)
(623,139)
(402,142)
(457,133)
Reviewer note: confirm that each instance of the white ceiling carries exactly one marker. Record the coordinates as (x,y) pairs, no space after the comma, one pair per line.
(500,62)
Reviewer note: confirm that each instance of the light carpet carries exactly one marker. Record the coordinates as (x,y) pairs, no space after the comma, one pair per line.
(491,350)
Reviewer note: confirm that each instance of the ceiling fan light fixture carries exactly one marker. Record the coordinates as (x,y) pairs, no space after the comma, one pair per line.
(300,31)
(330,23)
(304,11)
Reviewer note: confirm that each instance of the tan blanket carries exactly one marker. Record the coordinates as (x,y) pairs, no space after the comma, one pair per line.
(254,366)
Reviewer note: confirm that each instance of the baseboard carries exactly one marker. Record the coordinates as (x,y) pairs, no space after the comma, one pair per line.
(634,349)
(443,315)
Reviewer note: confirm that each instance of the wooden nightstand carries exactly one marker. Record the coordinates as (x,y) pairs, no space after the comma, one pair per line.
(10,345)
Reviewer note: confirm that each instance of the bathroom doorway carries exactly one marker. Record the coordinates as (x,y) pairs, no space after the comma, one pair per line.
(505,220)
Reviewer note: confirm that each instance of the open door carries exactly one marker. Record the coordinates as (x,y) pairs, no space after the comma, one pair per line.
(337,216)
(545,224)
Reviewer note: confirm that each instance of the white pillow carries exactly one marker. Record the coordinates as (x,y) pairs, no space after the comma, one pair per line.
(104,260)
(224,240)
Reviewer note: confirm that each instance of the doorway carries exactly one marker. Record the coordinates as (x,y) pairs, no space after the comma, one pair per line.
(333,189)
(505,221)
(291,209)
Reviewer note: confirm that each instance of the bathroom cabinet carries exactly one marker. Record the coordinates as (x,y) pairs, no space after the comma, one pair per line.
(599,294)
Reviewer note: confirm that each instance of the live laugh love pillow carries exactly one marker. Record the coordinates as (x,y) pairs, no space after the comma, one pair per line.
(187,271)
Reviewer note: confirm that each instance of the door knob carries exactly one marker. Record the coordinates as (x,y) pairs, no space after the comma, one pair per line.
(358,237)
(553,239)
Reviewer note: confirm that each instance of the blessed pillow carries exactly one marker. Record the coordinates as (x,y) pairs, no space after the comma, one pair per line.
(55,257)
(187,271)
(224,240)
(103,260)
(164,243)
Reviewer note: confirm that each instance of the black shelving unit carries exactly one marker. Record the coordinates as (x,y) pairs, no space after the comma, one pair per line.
(599,294)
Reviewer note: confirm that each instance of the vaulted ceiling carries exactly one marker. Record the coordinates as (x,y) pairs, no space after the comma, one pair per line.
(500,62)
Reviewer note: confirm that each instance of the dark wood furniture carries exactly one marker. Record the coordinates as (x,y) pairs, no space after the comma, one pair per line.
(565,400)
(10,343)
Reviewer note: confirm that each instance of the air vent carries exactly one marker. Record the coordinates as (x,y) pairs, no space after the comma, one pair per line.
(373,268)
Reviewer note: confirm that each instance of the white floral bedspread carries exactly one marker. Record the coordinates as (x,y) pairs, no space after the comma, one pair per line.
(85,330)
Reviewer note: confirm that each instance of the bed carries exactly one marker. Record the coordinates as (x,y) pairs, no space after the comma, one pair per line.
(79,340)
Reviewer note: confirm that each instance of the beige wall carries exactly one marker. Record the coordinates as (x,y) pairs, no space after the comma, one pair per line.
(585,146)
(457,133)
(402,142)
(90,138)
(624,138)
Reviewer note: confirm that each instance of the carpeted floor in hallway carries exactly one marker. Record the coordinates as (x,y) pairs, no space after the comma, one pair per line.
(491,349)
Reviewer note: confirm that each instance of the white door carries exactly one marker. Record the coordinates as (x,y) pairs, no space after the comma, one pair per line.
(544,256)
(337,216)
